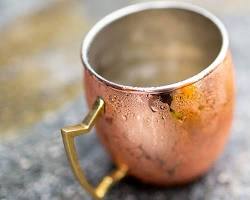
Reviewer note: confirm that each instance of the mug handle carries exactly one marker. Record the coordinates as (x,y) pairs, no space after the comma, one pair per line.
(68,136)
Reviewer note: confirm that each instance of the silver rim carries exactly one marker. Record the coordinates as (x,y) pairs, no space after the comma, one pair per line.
(147,6)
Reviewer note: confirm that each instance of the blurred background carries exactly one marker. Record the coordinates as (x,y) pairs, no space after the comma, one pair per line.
(41,91)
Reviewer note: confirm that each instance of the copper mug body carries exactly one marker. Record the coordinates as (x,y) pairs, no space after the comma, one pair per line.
(162,134)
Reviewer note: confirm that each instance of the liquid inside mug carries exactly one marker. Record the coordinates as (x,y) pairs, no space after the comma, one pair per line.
(159,79)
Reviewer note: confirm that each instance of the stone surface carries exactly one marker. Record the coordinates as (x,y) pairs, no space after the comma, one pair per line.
(33,164)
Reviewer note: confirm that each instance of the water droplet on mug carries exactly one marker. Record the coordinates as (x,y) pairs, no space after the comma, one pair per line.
(112,98)
(162,107)
(124,117)
(153,104)
(154,108)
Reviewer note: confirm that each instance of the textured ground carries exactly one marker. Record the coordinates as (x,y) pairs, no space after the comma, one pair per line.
(40,85)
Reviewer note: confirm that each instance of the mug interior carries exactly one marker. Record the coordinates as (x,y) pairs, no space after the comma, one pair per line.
(155,47)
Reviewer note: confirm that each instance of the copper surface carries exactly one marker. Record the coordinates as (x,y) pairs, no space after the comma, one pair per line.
(166,134)
(168,138)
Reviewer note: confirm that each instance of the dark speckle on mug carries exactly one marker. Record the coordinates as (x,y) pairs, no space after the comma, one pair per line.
(166,98)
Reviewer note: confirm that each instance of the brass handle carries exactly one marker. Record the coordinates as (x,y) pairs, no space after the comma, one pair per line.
(69,134)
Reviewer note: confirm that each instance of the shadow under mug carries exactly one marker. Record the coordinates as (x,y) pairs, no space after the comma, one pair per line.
(166,134)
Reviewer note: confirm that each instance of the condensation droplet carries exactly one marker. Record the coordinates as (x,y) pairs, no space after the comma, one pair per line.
(124,117)
(112,98)
(162,107)
(154,108)
(153,104)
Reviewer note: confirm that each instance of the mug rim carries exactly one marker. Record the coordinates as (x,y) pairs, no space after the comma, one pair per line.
(135,8)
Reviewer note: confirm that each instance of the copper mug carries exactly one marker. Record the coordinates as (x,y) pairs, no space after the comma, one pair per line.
(164,133)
